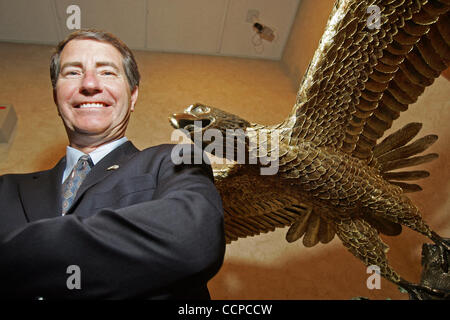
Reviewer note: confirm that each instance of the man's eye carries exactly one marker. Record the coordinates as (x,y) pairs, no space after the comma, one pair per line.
(108,73)
(71,73)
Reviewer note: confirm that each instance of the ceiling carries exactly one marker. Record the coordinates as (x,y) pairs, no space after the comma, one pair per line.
(213,27)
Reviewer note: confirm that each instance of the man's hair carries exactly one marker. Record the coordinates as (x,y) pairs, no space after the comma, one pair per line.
(129,63)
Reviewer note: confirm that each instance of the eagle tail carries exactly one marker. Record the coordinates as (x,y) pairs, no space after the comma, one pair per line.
(394,153)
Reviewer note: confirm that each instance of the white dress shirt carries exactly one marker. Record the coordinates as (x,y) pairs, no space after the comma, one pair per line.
(72,155)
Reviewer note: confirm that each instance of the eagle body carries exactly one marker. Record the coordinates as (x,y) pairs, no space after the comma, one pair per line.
(333,176)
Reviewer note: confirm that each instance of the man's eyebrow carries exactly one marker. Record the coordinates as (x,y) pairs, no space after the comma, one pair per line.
(97,64)
(71,64)
(107,64)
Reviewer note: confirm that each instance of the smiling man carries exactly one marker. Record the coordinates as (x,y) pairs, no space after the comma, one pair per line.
(92,93)
(133,224)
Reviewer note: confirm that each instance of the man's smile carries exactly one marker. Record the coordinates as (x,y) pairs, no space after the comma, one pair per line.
(91,105)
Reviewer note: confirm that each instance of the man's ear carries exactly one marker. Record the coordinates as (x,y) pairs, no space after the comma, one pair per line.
(134,96)
(55,99)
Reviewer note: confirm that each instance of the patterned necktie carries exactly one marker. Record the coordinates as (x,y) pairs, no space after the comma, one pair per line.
(74,180)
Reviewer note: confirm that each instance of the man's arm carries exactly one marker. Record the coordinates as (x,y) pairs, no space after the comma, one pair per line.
(144,249)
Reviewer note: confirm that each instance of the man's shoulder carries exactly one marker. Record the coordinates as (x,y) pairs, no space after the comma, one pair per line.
(16,177)
(11,181)
(157,151)
(165,147)
(169,149)
(24,176)
(178,155)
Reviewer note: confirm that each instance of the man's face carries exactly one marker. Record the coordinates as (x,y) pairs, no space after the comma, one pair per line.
(92,93)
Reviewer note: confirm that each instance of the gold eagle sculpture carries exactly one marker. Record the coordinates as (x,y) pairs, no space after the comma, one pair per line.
(333,176)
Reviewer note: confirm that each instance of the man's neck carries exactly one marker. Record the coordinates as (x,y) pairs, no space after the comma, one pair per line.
(90,147)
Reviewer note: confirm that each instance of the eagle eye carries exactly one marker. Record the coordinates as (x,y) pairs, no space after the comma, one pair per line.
(201,109)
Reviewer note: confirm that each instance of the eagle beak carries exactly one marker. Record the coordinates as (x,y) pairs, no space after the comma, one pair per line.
(173,119)
(180,120)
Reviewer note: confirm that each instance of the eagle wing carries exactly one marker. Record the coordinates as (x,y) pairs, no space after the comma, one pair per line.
(361,76)
(358,82)
(253,206)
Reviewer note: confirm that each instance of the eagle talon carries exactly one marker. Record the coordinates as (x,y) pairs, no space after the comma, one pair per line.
(423,292)
(444,249)
(443,256)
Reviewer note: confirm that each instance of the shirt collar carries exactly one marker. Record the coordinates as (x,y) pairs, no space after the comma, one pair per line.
(72,155)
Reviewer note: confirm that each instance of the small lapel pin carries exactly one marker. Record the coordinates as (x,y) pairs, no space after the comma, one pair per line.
(113,167)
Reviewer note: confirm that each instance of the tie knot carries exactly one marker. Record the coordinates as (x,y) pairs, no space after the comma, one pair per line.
(83,162)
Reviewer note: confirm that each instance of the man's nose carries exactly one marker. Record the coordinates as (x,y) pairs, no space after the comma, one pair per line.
(90,84)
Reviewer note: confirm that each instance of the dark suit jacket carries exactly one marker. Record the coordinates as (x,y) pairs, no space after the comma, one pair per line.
(149,229)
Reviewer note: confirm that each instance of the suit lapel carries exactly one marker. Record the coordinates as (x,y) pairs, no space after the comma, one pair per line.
(110,163)
(41,193)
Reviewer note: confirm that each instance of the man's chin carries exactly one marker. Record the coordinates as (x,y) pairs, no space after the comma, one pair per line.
(91,135)
(90,127)
(88,135)
(90,131)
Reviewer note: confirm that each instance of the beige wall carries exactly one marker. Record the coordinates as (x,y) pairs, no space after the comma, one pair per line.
(308,27)
(263,267)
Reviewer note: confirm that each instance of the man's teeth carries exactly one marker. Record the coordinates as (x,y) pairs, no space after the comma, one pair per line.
(91,105)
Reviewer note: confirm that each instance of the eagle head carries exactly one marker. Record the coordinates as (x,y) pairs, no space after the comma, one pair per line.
(201,117)
(210,122)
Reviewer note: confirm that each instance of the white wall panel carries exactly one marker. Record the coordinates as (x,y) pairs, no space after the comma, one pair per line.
(27,21)
(237,37)
(124,18)
(215,27)
(185,26)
